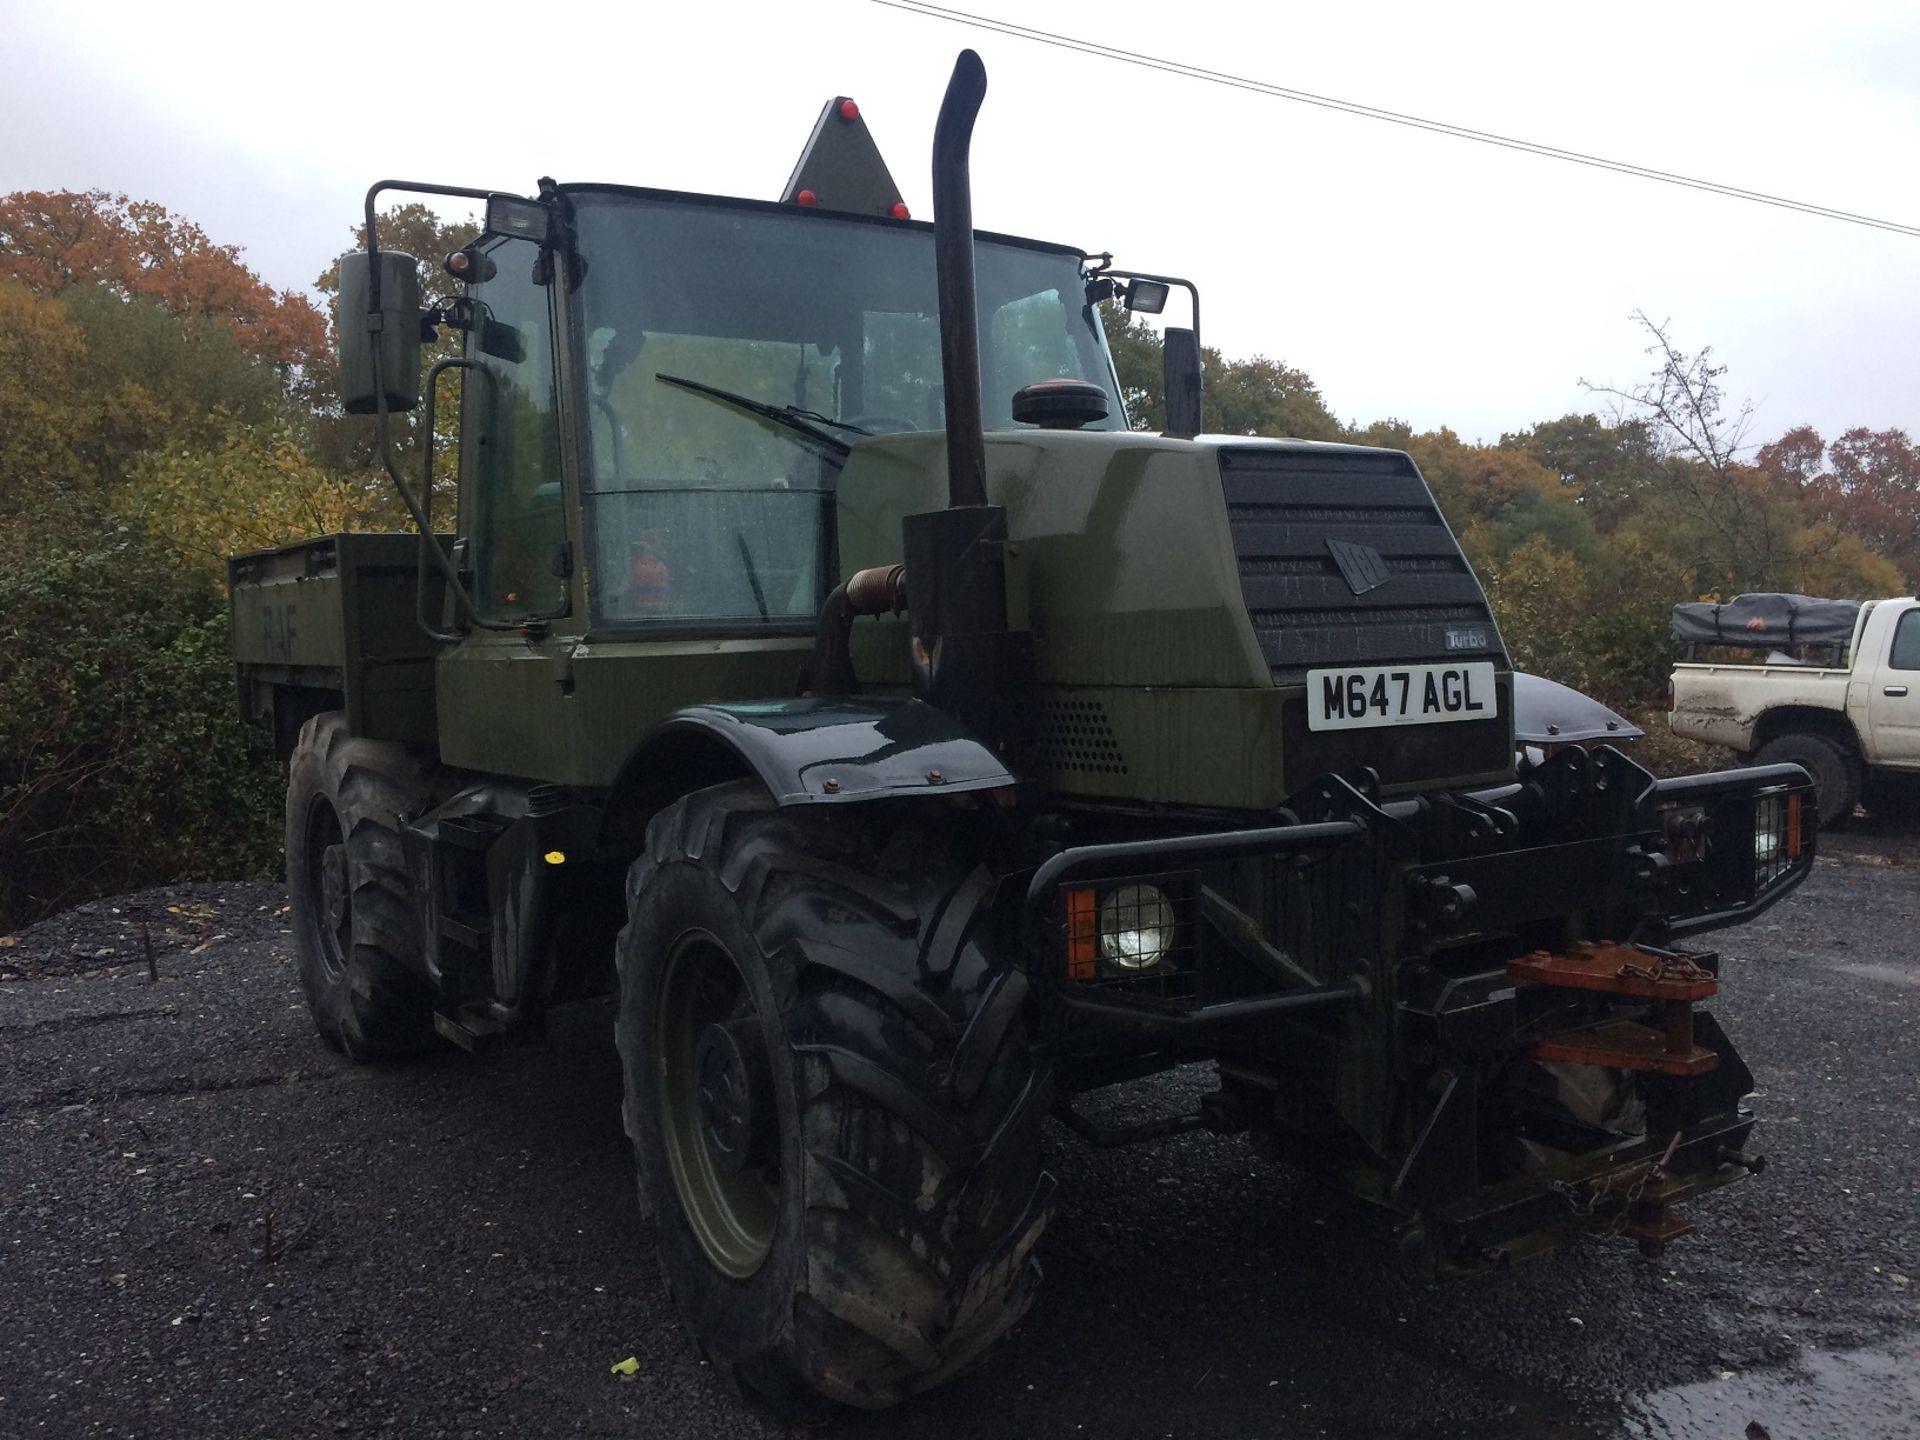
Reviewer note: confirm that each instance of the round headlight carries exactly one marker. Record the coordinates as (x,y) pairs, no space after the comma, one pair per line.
(1136,927)
(1767,817)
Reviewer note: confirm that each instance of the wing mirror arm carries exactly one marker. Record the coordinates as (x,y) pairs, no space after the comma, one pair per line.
(382,289)
(1182,377)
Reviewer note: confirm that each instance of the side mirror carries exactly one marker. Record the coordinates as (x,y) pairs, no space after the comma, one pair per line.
(396,341)
(1180,355)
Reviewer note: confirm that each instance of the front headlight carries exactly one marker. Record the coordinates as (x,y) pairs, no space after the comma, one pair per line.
(1777,838)
(1136,927)
(1767,838)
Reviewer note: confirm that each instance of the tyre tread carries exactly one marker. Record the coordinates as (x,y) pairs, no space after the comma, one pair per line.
(385,1005)
(920,1126)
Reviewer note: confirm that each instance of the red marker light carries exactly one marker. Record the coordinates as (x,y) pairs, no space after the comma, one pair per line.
(459,262)
(900,211)
(806,197)
(849,110)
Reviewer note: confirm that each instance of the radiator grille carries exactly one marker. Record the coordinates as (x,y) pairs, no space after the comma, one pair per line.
(1344,560)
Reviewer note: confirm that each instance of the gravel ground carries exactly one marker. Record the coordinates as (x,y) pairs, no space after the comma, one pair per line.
(212,1226)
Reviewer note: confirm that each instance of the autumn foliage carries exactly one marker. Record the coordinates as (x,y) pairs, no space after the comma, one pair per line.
(161,407)
(53,241)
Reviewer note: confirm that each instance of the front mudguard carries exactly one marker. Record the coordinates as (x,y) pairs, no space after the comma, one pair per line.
(825,752)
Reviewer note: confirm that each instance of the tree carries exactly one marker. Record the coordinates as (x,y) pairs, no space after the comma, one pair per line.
(123,758)
(252,488)
(350,444)
(1794,458)
(1242,397)
(1138,362)
(42,353)
(1728,514)
(1264,397)
(53,241)
(90,382)
(1604,467)
(1476,484)
(1866,486)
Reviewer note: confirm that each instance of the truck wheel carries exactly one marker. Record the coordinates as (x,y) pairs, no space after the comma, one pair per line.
(356,930)
(1836,775)
(834,1108)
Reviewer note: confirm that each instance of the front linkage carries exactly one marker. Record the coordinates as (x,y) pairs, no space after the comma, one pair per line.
(1469,1007)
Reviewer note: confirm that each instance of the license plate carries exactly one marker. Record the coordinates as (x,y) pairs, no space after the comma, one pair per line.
(1399,695)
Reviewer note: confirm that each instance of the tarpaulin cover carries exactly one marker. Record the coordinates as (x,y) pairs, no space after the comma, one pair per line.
(1767,619)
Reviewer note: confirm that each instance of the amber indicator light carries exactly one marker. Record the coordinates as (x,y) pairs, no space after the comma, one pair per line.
(1081,929)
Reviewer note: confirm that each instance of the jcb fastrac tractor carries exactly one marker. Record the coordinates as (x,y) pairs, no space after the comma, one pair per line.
(823,667)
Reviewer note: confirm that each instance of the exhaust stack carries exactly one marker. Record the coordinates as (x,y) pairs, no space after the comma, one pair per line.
(965,659)
(953,269)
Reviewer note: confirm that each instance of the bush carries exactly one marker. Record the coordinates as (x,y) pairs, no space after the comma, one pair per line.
(1600,628)
(123,758)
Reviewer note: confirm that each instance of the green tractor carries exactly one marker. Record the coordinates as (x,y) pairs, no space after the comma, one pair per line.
(824,669)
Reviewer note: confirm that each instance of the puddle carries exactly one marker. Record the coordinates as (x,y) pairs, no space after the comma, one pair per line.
(1871,1394)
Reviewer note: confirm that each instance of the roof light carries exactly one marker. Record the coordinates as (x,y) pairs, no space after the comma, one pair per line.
(900,211)
(806,197)
(511,215)
(849,110)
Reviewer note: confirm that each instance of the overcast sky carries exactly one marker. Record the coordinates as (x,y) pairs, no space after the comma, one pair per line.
(1411,275)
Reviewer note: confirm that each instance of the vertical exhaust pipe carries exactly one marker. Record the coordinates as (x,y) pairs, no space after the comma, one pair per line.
(953,269)
(965,659)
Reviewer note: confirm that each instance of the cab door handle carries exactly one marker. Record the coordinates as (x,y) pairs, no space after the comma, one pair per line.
(1894,690)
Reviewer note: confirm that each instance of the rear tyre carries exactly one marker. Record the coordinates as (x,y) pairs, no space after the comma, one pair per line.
(356,929)
(1836,774)
(834,1108)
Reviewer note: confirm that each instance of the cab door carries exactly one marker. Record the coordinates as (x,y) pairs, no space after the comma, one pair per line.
(1893,693)
(500,691)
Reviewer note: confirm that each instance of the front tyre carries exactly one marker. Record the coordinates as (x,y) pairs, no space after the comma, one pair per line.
(356,929)
(834,1108)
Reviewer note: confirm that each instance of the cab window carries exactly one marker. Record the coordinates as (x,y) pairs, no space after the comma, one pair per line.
(518,527)
(1906,643)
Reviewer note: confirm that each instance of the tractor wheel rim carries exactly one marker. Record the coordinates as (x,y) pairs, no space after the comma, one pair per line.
(328,882)
(731,1208)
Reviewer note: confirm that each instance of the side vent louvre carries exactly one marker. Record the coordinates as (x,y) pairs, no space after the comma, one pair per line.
(1074,735)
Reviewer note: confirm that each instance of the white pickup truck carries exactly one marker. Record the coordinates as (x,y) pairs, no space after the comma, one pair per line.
(1833,685)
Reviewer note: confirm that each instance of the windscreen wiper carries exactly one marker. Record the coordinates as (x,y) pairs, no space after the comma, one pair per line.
(805,422)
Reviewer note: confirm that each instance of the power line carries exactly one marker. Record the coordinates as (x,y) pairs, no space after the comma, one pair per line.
(1392,117)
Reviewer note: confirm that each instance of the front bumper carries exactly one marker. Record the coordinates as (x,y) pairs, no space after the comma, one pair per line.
(1586,836)
(1376,984)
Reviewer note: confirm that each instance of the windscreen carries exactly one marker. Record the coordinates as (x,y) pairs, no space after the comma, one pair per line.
(731,356)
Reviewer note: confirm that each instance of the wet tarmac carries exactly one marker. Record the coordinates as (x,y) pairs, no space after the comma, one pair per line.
(212,1226)
(1870,1394)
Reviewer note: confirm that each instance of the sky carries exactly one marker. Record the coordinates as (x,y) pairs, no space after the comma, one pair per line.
(1413,276)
